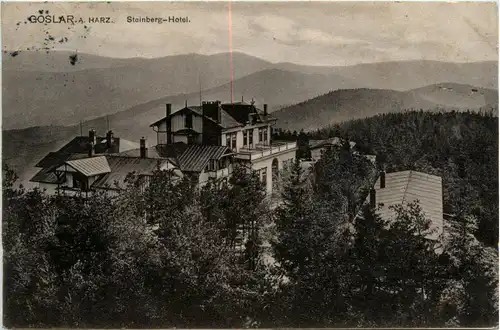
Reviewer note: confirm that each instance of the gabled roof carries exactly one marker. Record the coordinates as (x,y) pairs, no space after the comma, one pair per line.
(407,187)
(77,148)
(197,110)
(89,166)
(232,114)
(122,166)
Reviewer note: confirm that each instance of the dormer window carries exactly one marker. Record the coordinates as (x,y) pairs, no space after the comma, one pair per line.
(188,120)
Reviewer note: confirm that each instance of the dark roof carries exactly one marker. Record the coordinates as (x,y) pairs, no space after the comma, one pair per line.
(227,121)
(46,175)
(239,111)
(52,159)
(152,152)
(80,145)
(195,158)
(122,166)
(192,158)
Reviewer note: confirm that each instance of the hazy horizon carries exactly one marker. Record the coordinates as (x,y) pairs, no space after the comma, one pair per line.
(241,53)
(304,33)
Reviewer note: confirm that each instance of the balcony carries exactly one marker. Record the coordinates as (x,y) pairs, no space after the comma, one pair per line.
(263,151)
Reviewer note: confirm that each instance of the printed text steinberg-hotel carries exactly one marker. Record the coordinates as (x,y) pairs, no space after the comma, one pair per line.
(158,20)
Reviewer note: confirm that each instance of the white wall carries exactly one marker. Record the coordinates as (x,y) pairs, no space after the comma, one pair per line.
(177,122)
(259,164)
(240,131)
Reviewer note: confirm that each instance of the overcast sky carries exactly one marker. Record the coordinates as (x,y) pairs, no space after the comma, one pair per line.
(315,33)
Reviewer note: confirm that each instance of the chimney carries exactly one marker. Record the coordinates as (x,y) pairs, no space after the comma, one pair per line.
(382,179)
(373,198)
(92,136)
(168,123)
(91,143)
(109,139)
(265,109)
(144,150)
(219,111)
(91,149)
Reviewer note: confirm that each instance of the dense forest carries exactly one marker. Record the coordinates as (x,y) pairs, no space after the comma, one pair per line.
(171,255)
(461,147)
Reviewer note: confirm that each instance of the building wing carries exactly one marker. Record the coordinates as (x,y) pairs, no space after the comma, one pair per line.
(410,186)
(121,167)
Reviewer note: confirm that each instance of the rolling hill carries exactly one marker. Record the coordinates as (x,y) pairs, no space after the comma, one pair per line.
(102,86)
(406,75)
(298,87)
(343,105)
(23,148)
(42,88)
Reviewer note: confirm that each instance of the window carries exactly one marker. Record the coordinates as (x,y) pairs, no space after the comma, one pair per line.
(228,140)
(79,181)
(263,134)
(188,120)
(263,175)
(233,140)
(76,181)
(245,138)
(211,165)
(250,137)
(190,139)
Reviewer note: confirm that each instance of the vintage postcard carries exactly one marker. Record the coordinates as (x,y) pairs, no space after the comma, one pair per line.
(240,164)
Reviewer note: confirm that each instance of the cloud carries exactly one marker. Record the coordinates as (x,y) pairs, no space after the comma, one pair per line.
(318,33)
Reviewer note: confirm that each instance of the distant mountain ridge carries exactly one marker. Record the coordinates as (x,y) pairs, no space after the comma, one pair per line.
(46,89)
(23,148)
(342,105)
(49,93)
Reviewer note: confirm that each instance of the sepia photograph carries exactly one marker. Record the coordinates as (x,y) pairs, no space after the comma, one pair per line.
(249,164)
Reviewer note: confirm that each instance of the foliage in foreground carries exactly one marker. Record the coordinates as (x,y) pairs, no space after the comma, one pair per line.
(171,255)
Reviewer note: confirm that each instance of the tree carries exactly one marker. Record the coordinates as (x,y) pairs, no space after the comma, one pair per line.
(471,294)
(415,274)
(368,252)
(309,252)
